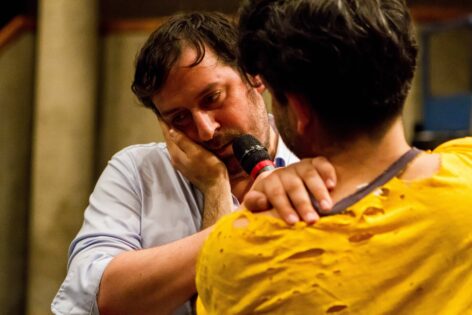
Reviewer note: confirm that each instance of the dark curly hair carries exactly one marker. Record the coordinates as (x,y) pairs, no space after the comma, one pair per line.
(352,60)
(163,48)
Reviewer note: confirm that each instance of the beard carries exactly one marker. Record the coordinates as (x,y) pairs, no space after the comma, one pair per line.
(219,143)
(226,138)
(257,121)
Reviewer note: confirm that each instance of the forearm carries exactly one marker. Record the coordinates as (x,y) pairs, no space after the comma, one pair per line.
(217,202)
(151,281)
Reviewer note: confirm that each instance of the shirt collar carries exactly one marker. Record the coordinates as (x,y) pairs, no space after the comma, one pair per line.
(283,156)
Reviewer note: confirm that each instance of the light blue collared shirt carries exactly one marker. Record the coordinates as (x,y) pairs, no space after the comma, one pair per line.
(140,201)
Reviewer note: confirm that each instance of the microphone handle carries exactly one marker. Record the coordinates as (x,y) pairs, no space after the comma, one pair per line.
(262,166)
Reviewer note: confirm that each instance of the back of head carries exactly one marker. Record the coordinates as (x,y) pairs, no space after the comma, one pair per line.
(352,60)
(197,30)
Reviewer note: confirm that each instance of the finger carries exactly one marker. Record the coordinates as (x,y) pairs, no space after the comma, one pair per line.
(273,189)
(317,187)
(177,155)
(256,201)
(176,137)
(191,148)
(168,136)
(325,170)
(163,125)
(299,197)
(263,175)
(164,129)
(260,178)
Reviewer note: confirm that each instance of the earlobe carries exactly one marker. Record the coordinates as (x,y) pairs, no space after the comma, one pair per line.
(301,111)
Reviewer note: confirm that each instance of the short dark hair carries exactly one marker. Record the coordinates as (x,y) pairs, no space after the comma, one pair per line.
(352,60)
(164,46)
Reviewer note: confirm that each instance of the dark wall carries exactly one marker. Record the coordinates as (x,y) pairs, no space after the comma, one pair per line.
(12,8)
(111,9)
(117,9)
(456,3)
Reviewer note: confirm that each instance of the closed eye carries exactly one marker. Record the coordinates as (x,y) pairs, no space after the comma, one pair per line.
(181,119)
(212,99)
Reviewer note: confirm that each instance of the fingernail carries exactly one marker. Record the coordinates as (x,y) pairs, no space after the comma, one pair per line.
(310,217)
(172,133)
(292,219)
(325,204)
(330,183)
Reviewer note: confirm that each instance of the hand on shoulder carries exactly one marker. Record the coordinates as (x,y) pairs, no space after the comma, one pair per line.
(288,190)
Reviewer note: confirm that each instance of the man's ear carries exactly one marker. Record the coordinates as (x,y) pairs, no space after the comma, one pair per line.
(301,110)
(258,84)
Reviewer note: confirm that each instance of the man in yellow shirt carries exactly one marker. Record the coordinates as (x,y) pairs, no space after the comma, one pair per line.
(399,240)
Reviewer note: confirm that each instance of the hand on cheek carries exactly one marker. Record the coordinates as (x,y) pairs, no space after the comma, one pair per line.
(197,164)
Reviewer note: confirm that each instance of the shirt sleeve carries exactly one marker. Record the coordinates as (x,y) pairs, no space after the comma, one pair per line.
(111,226)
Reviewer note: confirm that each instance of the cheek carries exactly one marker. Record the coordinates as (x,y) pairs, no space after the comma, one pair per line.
(190,132)
(243,114)
(232,117)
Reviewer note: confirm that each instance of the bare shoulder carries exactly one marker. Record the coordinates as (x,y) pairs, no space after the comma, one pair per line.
(424,166)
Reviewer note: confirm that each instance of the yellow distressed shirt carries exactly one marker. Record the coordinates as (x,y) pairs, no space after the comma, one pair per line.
(406,248)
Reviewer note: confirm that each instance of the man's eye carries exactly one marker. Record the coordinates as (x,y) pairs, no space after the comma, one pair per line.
(212,98)
(180,119)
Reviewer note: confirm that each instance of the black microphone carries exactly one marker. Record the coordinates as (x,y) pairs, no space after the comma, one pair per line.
(252,155)
(254,159)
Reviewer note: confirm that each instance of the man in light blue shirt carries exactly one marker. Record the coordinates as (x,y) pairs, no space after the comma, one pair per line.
(154,205)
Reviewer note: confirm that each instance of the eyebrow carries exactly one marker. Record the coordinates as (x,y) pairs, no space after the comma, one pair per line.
(168,112)
(207,89)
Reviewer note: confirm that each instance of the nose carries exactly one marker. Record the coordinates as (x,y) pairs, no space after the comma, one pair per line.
(205,124)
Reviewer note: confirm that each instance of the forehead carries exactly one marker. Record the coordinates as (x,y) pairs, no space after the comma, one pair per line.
(184,83)
(183,69)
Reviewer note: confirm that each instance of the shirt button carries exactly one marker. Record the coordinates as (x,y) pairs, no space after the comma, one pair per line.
(279,162)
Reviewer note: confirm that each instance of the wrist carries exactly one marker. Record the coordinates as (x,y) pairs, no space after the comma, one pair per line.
(219,184)
(217,202)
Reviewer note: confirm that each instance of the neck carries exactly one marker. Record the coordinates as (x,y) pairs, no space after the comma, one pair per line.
(241,184)
(273,142)
(363,159)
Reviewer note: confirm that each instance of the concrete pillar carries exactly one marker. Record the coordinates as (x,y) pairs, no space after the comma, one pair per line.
(62,171)
(123,121)
(16,93)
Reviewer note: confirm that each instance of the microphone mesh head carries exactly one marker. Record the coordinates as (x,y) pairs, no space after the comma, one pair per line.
(249,151)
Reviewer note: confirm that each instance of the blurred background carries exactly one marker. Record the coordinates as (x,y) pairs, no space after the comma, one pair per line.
(66,107)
